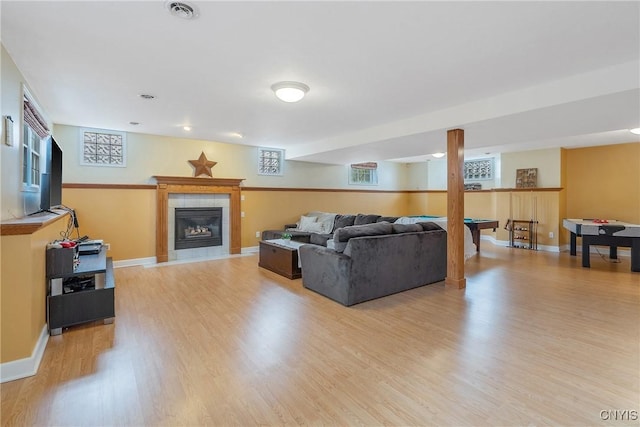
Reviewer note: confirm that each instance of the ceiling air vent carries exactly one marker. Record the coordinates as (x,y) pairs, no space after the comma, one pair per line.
(182,10)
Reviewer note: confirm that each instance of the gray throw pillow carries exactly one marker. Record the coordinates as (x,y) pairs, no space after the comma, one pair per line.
(406,228)
(343,221)
(429,226)
(365,219)
(390,219)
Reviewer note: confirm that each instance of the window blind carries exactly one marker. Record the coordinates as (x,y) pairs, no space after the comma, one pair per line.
(35,121)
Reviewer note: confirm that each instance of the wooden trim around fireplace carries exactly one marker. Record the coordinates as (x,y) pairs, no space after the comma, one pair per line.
(182,185)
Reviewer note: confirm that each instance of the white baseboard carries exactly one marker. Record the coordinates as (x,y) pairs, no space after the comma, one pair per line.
(505,243)
(151,261)
(134,262)
(28,366)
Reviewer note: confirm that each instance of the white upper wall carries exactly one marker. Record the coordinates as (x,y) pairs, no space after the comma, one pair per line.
(149,155)
(12,198)
(547,161)
(432,174)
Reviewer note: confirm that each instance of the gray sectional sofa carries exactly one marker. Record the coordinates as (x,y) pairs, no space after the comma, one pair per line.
(364,262)
(322,234)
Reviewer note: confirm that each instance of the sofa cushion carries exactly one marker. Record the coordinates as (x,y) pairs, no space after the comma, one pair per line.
(325,220)
(336,246)
(375,229)
(343,221)
(306,222)
(320,238)
(429,226)
(406,228)
(365,219)
(390,219)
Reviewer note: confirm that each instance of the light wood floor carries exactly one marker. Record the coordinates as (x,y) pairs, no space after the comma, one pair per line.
(535,339)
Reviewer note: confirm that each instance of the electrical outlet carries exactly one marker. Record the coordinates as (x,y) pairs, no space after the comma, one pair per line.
(107,245)
(242,214)
(551,234)
(257,234)
(242,197)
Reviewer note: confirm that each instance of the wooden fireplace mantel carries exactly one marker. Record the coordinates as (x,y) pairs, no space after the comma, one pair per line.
(188,185)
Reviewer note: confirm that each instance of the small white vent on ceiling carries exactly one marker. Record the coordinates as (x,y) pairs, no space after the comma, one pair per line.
(182,10)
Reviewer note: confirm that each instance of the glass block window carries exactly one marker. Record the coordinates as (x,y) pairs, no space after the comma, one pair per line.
(364,174)
(103,148)
(480,169)
(270,161)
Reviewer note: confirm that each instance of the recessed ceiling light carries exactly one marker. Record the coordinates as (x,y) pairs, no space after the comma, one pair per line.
(635,131)
(290,91)
(187,128)
(147,96)
(134,123)
(438,155)
(182,10)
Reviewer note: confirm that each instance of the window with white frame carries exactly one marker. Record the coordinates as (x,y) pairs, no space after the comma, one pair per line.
(31,147)
(270,161)
(101,147)
(363,173)
(34,131)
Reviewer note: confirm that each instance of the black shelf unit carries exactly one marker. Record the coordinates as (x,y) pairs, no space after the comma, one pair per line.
(94,301)
(523,234)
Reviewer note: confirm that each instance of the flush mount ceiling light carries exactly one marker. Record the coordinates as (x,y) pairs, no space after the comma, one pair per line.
(438,155)
(635,131)
(187,128)
(182,9)
(290,91)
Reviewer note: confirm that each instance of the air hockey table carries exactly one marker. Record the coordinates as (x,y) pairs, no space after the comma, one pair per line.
(606,233)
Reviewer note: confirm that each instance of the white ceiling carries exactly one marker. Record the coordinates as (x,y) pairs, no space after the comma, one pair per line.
(387,79)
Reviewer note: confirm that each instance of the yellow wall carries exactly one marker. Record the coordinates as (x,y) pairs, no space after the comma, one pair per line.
(126,218)
(541,206)
(427,203)
(604,182)
(23,289)
(269,210)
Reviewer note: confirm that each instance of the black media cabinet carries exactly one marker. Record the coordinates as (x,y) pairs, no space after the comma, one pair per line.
(82,295)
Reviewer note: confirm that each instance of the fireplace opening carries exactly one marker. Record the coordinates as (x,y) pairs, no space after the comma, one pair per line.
(198,227)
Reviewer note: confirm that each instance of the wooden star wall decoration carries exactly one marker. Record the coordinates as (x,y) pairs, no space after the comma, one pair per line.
(202,166)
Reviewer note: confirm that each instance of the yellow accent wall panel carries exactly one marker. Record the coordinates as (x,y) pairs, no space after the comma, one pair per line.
(23,289)
(427,203)
(124,218)
(604,182)
(270,210)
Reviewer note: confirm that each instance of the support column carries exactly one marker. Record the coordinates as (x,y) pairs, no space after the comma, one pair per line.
(455,210)
(162,250)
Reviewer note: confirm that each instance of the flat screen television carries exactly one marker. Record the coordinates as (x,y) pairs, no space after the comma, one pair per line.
(51,180)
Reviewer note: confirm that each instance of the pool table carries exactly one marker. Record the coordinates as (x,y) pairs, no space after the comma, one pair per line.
(606,233)
(475,225)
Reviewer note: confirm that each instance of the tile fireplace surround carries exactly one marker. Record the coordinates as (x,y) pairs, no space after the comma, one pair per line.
(167,185)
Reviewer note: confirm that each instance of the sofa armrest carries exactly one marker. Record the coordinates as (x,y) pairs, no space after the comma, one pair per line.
(326,271)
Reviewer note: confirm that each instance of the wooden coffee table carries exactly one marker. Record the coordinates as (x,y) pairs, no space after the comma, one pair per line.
(281,257)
